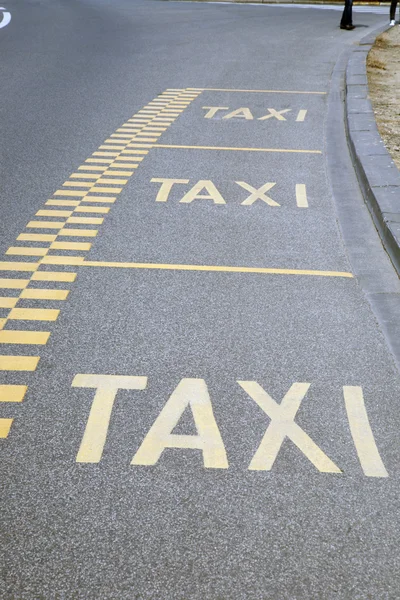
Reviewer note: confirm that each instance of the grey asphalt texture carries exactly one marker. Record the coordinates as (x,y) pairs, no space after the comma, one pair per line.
(71,73)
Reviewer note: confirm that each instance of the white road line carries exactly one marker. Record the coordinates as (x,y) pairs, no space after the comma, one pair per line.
(6,18)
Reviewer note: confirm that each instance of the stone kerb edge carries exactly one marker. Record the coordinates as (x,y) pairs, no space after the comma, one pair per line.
(378,175)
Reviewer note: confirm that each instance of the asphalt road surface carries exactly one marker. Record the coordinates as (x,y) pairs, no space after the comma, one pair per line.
(198,401)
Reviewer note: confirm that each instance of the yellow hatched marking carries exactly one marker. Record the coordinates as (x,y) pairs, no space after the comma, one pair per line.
(101,154)
(13,284)
(54,213)
(86,175)
(5,426)
(128,158)
(63,260)
(71,246)
(94,167)
(78,183)
(18,266)
(92,209)
(53,276)
(19,363)
(21,251)
(113,181)
(62,203)
(119,173)
(106,190)
(6,302)
(148,139)
(44,294)
(12,393)
(36,237)
(113,147)
(12,336)
(262,91)
(78,232)
(77,194)
(2,323)
(85,220)
(129,165)
(108,199)
(46,224)
(121,157)
(34,314)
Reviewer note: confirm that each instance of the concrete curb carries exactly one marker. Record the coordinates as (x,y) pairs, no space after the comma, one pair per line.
(378,175)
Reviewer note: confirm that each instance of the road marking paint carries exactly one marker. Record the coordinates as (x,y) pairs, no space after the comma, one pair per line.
(7,302)
(71,246)
(11,336)
(93,209)
(301,116)
(34,314)
(177,267)
(24,251)
(96,160)
(78,183)
(62,260)
(108,199)
(19,363)
(283,426)
(101,154)
(6,18)
(85,220)
(13,284)
(45,224)
(77,232)
(119,173)
(106,190)
(54,213)
(257,194)
(86,175)
(72,203)
(36,237)
(5,424)
(12,393)
(193,394)
(18,266)
(106,386)
(72,193)
(54,276)
(166,186)
(126,165)
(44,294)
(112,181)
(301,195)
(262,91)
(361,432)
(284,150)
(193,193)
(240,113)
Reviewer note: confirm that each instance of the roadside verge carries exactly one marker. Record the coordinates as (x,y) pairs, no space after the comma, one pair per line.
(378,175)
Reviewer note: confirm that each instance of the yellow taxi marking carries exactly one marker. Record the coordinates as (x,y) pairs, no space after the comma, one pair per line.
(106,386)
(12,336)
(301,195)
(12,393)
(19,363)
(285,150)
(44,294)
(368,454)
(262,91)
(301,116)
(216,268)
(13,284)
(282,426)
(34,314)
(193,394)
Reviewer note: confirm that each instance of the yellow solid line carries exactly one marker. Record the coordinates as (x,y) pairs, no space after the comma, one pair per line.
(12,393)
(12,336)
(238,149)
(13,284)
(21,251)
(78,233)
(44,294)
(262,91)
(34,314)
(53,276)
(223,269)
(18,266)
(8,302)
(19,363)
(5,426)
